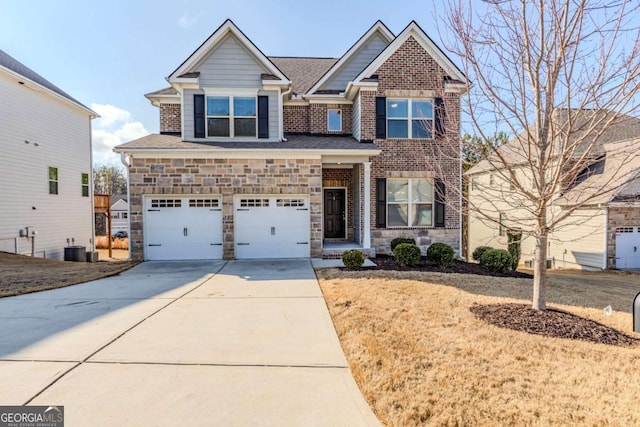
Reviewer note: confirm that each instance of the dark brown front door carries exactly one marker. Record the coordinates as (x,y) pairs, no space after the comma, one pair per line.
(334,213)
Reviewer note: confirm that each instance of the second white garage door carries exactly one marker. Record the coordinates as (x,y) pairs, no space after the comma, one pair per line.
(272,227)
(177,228)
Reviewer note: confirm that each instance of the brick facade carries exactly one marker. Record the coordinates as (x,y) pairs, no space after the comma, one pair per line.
(411,72)
(312,118)
(170,118)
(296,118)
(225,177)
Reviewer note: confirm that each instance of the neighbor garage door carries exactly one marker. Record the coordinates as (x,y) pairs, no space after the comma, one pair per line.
(628,248)
(272,227)
(177,228)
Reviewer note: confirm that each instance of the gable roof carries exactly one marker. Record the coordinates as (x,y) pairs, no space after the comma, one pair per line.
(625,127)
(15,67)
(616,174)
(303,72)
(414,30)
(185,69)
(377,28)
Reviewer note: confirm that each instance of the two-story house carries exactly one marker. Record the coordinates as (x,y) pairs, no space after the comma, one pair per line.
(45,167)
(265,157)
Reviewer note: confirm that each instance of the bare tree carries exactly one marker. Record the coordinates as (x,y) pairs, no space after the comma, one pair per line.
(559,76)
(109,179)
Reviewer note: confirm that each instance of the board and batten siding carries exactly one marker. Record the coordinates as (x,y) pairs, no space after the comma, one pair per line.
(187,108)
(355,123)
(358,62)
(63,137)
(230,65)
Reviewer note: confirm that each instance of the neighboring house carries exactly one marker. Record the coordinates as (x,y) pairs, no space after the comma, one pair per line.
(45,167)
(604,232)
(265,157)
(119,214)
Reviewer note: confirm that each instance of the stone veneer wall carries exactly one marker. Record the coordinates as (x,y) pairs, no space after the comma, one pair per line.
(170,118)
(312,118)
(225,177)
(619,216)
(343,178)
(411,73)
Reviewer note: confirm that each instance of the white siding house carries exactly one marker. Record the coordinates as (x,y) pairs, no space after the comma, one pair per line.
(45,167)
(119,215)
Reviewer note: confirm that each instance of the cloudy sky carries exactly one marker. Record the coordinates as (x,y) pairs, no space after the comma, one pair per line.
(108,54)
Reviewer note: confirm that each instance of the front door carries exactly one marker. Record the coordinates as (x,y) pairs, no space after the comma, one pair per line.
(334,213)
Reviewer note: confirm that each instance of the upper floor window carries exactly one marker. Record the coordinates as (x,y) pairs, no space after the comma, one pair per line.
(85,185)
(409,202)
(231,116)
(53,180)
(334,120)
(409,118)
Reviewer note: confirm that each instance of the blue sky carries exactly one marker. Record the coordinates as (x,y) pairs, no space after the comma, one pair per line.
(109,54)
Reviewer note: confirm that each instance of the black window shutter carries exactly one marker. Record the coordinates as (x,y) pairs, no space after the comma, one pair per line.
(381,202)
(439,203)
(381,117)
(263,116)
(438,116)
(198,116)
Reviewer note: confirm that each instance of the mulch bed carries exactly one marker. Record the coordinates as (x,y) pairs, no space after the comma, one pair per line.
(551,322)
(389,263)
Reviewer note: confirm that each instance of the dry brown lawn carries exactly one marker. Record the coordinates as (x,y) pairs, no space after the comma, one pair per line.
(21,274)
(421,357)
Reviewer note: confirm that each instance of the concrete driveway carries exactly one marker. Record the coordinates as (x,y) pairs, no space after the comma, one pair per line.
(182,343)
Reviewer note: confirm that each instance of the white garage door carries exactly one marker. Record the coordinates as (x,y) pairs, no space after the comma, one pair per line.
(178,228)
(628,248)
(272,227)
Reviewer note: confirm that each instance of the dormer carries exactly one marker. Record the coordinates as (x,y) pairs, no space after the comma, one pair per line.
(228,90)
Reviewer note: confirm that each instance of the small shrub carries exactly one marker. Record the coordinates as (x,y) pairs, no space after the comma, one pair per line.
(353,259)
(441,253)
(399,240)
(407,254)
(497,260)
(477,253)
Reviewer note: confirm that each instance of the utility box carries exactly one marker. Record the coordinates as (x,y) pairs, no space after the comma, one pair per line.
(75,253)
(636,313)
(92,256)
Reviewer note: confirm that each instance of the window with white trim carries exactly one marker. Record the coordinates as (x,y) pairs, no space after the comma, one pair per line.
(409,202)
(409,118)
(334,120)
(53,180)
(85,184)
(232,116)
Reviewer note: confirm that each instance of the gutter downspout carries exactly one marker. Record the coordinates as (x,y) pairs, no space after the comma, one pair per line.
(281,112)
(126,161)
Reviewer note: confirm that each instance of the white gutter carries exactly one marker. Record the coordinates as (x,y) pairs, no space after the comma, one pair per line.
(125,161)
(606,237)
(281,111)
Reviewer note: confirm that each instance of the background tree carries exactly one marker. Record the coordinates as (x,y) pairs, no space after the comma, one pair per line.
(557,75)
(109,179)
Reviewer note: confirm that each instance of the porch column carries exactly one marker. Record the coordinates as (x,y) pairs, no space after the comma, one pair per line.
(366,241)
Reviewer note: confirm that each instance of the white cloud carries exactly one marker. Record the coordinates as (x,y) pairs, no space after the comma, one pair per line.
(186,21)
(114,127)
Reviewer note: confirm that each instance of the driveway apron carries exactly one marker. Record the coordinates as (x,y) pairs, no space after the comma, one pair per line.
(182,343)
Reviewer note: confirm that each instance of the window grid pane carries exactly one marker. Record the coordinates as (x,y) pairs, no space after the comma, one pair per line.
(397,129)
(422,109)
(397,215)
(421,129)
(217,127)
(218,106)
(397,190)
(334,120)
(244,107)
(421,191)
(398,108)
(244,127)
